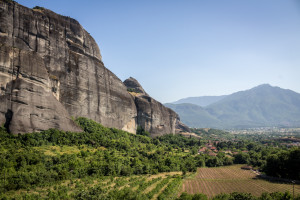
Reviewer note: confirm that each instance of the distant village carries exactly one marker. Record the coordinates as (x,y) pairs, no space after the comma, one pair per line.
(211,150)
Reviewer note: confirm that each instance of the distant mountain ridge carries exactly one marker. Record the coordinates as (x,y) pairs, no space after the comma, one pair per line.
(194,115)
(200,101)
(261,106)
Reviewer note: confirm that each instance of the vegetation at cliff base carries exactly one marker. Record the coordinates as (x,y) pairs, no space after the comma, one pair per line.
(54,157)
(114,164)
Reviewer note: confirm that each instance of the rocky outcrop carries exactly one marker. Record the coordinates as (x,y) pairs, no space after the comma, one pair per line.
(51,69)
(152,116)
(56,53)
(134,86)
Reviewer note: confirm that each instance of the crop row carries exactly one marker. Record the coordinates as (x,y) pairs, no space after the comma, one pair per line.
(144,185)
(224,173)
(170,189)
(158,187)
(256,187)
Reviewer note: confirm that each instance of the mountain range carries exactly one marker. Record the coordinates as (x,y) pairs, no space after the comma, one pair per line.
(200,101)
(261,106)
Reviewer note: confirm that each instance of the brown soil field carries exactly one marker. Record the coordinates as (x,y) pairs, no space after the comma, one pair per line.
(213,181)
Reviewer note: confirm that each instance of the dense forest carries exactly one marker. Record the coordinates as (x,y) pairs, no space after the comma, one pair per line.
(51,157)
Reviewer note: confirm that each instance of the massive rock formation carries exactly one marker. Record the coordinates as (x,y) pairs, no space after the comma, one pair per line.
(151,114)
(51,69)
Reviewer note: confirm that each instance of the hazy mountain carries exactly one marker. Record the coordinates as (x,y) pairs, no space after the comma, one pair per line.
(261,106)
(194,115)
(200,101)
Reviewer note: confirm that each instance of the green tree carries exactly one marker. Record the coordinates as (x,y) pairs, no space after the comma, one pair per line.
(141,131)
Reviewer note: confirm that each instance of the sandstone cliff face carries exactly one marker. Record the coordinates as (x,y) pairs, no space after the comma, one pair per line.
(51,69)
(30,108)
(151,114)
(57,54)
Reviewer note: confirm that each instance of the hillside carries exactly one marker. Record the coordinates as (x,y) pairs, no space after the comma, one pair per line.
(90,160)
(260,106)
(194,115)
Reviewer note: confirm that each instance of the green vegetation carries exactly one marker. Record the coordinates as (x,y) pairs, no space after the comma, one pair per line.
(212,134)
(158,187)
(113,164)
(279,162)
(170,189)
(270,153)
(284,164)
(141,131)
(38,8)
(132,90)
(52,157)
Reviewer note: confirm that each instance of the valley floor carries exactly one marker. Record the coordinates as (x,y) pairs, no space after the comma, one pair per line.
(209,181)
(213,181)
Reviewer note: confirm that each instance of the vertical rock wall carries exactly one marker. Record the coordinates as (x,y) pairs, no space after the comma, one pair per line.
(51,69)
(152,116)
(56,53)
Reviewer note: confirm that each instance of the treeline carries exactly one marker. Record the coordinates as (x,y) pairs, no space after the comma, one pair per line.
(284,164)
(210,133)
(273,161)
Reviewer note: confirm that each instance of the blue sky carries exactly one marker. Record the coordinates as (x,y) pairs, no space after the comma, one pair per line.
(183,48)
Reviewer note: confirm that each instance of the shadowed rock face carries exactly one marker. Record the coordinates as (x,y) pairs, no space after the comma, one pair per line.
(51,69)
(151,114)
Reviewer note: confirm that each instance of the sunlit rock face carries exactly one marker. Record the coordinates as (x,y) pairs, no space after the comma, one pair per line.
(51,70)
(152,116)
(55,53)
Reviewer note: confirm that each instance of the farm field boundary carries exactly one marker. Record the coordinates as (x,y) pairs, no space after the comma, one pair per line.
(213,181)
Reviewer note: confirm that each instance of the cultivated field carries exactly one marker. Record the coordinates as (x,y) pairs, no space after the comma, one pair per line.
(213,181)
(159,186)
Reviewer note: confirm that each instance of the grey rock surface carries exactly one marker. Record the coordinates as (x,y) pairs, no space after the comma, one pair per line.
(133,85)
(27,107)
(66,60)
(153,116)
(51,69)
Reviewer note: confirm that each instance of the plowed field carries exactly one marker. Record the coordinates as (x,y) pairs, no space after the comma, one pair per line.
(213,181)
